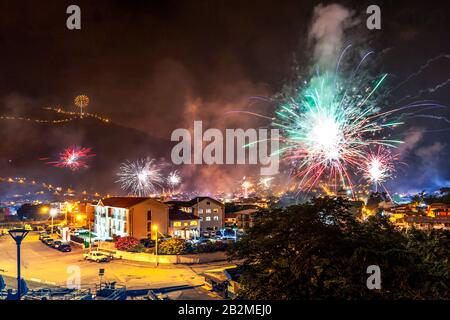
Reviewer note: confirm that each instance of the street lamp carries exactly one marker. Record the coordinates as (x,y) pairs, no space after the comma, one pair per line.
(18,235)
(155,227)
(53,213)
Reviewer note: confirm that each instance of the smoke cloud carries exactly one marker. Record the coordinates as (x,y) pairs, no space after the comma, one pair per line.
(327,32)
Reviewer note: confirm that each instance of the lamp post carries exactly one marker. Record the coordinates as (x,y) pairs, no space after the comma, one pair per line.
(155,227)
(53,213)
(90,234)
(18,235)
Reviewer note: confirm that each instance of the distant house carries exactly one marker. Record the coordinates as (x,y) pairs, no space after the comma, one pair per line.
(242,219)
(183,225)
(211,212)
(426,222)
(130,216)
(438,209)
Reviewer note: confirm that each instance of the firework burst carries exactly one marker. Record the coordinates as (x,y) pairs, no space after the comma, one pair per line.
(328,124)
(379,166)
(265,182)
(173,179)
(140,178)
(246,186)
(73,158)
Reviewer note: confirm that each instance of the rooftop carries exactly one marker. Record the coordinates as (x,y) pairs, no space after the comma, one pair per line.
(123,202)
(192,202)
(179,215)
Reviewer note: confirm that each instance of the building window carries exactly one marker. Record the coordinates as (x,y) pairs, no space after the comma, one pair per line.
(177,224)
(215,210)
(185,224)
(200,210)
(149,215)
(149,226)
(201,219)
(208,218)
(208,210)
(216,218)
(208,203)
(194,223)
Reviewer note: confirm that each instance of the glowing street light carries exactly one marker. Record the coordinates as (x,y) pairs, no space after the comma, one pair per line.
(18,235)
(53,213)
(155,228)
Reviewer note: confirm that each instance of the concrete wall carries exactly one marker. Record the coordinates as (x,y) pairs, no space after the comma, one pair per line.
(165,259)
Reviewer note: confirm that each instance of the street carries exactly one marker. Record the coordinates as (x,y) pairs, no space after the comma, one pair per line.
(47,266)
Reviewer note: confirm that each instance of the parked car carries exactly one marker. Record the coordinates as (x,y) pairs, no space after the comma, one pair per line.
(148,243)
(56,244)
(48,241)
(77,232)
(45,238)
(65,247)
(97,256)
(43,235)
(199,240)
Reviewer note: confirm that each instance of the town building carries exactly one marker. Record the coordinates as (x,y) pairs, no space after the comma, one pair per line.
(183,225)
(426,222)
(130,216)
(438,210)
(242,219)
(210,211)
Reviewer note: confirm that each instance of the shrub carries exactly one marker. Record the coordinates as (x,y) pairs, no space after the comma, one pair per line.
(173,246)
(126,243)
(205,247)
(139,248)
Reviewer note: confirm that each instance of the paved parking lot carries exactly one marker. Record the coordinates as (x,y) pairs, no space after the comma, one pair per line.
(42,264)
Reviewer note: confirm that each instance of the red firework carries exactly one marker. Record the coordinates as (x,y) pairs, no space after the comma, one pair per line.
(73,158)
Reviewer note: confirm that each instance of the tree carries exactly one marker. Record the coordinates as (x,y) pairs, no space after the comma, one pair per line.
(319,250)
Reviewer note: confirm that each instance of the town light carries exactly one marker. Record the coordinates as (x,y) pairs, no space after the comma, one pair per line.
(155,228)
(53,213)
(18,235)
(44,210)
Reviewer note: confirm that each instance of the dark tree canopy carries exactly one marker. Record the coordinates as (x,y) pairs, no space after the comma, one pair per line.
(319,250)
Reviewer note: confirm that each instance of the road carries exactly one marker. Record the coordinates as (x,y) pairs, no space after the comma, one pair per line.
(41,264)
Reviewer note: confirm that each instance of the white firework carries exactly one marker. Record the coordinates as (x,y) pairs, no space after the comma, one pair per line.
(174,179)
(140,178)
(265,182)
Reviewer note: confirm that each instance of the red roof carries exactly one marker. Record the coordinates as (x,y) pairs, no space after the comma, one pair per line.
(123,202)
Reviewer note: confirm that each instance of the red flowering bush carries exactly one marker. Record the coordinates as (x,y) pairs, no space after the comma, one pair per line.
(127,243)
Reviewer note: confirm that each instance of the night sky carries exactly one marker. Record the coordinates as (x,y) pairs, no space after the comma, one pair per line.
(154,66)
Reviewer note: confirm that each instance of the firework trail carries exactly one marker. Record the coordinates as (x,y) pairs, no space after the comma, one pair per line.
(421,69)
(73,158)
(140,178)
(427,90)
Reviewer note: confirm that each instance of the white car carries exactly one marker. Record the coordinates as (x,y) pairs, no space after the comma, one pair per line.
(97,256)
